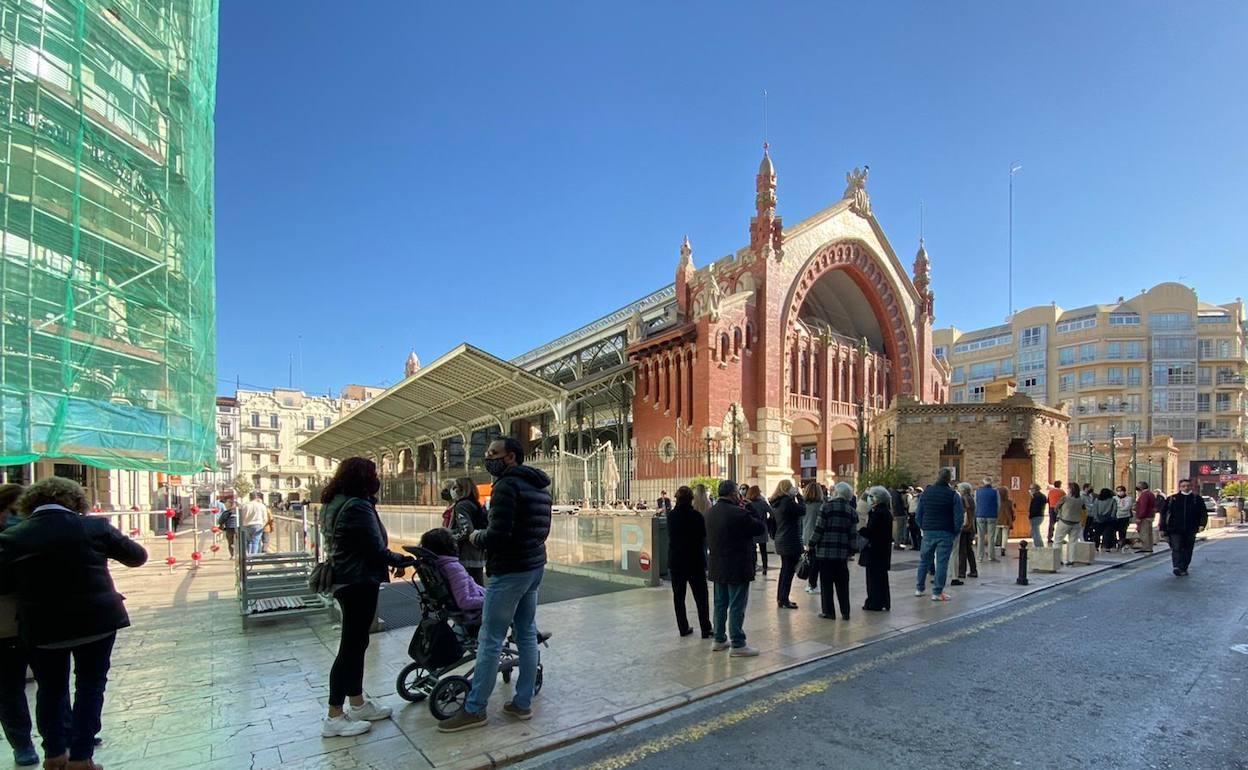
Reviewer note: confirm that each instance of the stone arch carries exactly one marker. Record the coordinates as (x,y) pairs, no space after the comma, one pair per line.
(862,267)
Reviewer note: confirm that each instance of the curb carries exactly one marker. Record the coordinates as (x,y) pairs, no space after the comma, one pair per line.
(564,738)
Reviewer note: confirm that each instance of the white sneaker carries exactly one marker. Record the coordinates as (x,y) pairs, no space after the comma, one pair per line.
(810,590)
(720,646)
(743,652)
(919,592)
(342,726)
(369,712)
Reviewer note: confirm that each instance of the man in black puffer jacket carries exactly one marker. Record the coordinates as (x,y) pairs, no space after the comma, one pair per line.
(515,558)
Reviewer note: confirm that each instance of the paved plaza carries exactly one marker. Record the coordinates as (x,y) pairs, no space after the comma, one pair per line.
(191,689)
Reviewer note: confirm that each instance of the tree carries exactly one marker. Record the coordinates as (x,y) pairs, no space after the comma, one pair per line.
(712,484)
(242,486)
(1235,489)
(889,477)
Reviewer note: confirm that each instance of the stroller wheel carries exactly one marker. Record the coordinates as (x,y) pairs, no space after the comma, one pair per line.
(537,685)
(448,697)
(414,683)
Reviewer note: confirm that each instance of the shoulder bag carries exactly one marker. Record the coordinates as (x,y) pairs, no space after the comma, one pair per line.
(804,566)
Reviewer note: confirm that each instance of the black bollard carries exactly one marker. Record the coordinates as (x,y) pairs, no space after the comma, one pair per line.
(1022,563)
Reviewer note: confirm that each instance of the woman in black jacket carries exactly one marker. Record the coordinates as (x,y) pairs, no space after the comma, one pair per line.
(878,555)
(789,509)
(467,516)
(67,607)
(358,551)
(686,561)
(755,501)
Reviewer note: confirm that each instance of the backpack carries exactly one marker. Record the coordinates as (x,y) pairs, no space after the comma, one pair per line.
(434,644)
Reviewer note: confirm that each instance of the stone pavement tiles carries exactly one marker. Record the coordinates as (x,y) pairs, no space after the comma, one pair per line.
(190,689)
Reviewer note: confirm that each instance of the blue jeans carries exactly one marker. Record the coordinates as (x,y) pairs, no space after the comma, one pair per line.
(64,726)
(936,545)
(254,537)
(1037,524)
(730,600)
(510,600)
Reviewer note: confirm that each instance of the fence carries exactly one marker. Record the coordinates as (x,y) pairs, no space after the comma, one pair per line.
(1098,470)
(615,477)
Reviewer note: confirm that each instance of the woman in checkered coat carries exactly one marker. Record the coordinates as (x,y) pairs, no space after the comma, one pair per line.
(832,544)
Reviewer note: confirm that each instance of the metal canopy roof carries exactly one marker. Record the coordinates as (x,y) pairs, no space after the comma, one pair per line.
(464,390)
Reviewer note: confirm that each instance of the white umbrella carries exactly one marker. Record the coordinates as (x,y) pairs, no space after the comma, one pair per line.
(610,473)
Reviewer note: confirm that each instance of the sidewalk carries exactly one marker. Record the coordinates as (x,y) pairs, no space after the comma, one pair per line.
(190,689)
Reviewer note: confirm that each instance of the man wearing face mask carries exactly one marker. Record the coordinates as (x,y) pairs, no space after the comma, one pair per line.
(515,558)
(1180,521)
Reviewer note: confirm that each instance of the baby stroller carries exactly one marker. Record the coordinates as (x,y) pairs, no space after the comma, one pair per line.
(443,642)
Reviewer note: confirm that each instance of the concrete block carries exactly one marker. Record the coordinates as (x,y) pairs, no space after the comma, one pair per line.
(1085,552)
(1217,522)
(1044,559)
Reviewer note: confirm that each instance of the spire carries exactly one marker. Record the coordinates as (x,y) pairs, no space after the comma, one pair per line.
(923,279)
(766,231)
(686,254)
(412,366)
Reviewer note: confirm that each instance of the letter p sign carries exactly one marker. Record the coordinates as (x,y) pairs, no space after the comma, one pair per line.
(632,540)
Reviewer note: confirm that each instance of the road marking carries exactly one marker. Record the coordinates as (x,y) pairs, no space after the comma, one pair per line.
(1242,649)
(697,732)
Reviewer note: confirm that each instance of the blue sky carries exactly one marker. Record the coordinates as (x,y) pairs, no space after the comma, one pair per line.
(401,175)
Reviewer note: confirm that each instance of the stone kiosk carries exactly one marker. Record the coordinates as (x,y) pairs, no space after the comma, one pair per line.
(1008,436)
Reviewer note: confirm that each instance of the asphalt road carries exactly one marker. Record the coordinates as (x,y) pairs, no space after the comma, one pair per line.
(1132,668)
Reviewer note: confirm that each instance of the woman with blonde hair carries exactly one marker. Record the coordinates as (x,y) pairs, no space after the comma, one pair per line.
(56,560)
(701,499)
(788,509)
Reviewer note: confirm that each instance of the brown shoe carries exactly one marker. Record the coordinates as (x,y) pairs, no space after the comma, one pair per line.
(464,720)
(512,710)
(83,764)
(56,763)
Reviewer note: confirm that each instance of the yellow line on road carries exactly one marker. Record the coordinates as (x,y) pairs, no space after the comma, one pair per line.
(697,732)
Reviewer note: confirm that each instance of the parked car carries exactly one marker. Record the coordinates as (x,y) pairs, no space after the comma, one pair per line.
(1211,505)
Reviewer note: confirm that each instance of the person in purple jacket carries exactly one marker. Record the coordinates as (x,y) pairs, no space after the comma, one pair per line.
(469,595)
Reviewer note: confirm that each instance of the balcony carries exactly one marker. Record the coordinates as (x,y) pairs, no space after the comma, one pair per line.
(1233,354)
(265,427)
(1103,384)
(1119,407)
(1216,434)
(801,403)
(1235,381)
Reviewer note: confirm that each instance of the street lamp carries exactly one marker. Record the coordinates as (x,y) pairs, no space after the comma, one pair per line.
(1113,456)
(1091,449)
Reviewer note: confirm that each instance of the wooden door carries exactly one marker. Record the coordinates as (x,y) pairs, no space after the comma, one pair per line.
(1016,477)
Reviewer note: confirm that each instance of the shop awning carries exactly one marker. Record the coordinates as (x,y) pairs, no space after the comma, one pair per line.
(463,391)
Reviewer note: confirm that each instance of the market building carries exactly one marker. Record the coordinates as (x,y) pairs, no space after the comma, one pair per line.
(761,365)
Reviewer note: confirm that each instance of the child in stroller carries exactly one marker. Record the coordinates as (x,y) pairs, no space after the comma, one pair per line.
(446,639)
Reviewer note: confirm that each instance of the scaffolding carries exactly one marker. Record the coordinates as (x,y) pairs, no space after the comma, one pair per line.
(106,232)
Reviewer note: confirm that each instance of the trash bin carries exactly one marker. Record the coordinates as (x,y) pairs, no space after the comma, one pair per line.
(660,545)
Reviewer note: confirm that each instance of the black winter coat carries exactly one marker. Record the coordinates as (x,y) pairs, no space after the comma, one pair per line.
(730,533)
(56,562)
(686,540)
(361,547)
(879,535)
(1185,513)
(515,540)
(789,512)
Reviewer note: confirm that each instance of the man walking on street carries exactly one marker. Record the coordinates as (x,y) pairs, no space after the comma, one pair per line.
(255,516)
(730,533)
(987,505)
(939,518)
(1145,509)
(1056,493)
(1183,518)
(515,559)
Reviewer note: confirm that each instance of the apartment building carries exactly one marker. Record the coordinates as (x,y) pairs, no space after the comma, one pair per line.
(271,425)
(1162,363)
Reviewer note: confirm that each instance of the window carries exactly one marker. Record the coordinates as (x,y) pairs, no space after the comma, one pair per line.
(1134,377)
(328,422)
(976,393)
(940,351)
(1032,337)
(1087,351)
(275,482)
(959,396)
(1172,322)
(1076,324)
(1227,349)
(1034,382)
(1135,349)
(227,453)
(311,423)
(1087,378)
(293,482)
(1132,402)
(1113,350)
(274,460)
(223,429)
(1115,375)
(1214,318)
(1180,428)
(273,422)
(1224,402)
(1174,347)
(1031,361)
(1066,356)
(255,458)
(255,419)
(1124,319)
(1065,383)
(1202,402)
(255,481)
(1134,427)
(959,374)
(1007,366)
(1204,348)
(1174,374)
(981,344)
(1174,400)
(1087,404)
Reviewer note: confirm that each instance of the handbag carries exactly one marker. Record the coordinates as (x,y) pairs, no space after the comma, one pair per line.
(805,566)
(321,578)
(434,644)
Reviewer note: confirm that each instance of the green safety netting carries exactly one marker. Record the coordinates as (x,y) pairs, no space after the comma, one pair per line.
(106,232)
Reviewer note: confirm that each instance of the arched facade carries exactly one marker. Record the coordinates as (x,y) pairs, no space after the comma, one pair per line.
(809,332)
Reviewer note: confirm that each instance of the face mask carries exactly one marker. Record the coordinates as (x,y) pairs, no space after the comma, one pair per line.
(495,466)
(1185,491)
(1122,494)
